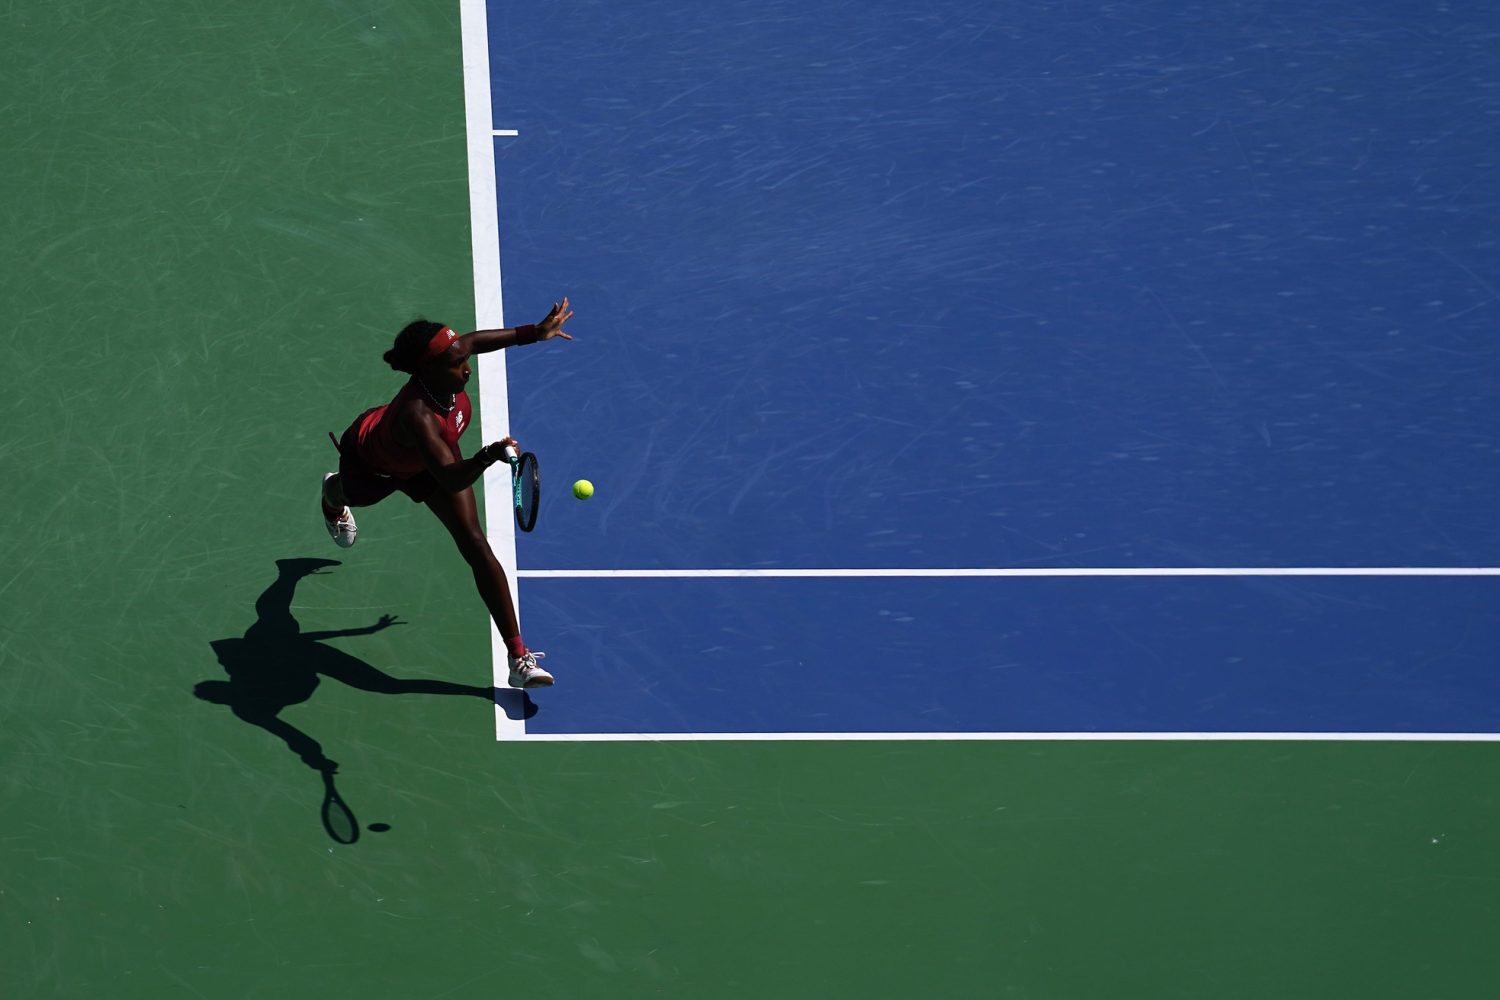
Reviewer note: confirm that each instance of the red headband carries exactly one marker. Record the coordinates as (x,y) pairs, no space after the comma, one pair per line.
(439,343)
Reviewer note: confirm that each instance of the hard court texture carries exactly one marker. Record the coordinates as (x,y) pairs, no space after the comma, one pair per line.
(216,216)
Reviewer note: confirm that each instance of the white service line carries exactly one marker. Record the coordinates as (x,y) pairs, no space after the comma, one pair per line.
(1091,737)
(505,131)
(489,313)
(1012,571)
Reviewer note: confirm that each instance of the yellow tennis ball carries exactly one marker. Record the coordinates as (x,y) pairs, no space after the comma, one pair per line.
(583,489)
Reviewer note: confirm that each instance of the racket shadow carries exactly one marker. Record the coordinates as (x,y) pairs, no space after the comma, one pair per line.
(338,818)
(275,664)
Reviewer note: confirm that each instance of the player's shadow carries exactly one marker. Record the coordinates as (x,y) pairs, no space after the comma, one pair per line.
(276,664)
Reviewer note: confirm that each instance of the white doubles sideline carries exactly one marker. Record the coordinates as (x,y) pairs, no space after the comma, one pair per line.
(489,312)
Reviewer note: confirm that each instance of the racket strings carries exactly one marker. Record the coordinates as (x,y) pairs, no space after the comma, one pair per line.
(527,491)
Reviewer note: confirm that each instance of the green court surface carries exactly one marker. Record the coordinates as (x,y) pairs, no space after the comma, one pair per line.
(216,217)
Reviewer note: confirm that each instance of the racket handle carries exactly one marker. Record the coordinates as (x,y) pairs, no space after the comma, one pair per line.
(511,455)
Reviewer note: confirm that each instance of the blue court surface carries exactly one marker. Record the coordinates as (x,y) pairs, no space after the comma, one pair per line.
(956,285)
(1018,656)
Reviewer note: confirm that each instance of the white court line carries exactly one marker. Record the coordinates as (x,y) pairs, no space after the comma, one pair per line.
(504,131)
(1090,737)
(1012,571)
(489,313)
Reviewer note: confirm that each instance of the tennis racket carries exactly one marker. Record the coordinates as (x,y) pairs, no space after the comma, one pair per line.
(526,487)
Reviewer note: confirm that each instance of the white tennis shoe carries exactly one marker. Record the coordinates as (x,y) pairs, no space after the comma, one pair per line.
(524,673)
(343,531)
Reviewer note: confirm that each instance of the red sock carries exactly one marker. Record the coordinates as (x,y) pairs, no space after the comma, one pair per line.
(515,647)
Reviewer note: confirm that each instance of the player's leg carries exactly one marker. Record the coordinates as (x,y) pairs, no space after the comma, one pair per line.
(338,519)
(460,515)
(353,485)
(333,491)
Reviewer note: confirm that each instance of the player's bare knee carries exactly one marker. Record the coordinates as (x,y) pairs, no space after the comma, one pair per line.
(476,549)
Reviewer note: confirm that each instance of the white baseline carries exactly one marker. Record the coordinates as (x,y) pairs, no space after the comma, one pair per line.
(1094,737)
(1014,571)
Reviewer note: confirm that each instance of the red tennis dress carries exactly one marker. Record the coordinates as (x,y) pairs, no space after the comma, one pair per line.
(373,465)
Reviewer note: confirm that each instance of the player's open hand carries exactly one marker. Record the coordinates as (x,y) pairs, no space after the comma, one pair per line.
(552,325)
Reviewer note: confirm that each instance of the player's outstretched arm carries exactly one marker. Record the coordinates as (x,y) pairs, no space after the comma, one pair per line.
(484,341)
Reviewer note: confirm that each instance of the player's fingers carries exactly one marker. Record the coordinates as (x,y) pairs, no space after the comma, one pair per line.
(564,336)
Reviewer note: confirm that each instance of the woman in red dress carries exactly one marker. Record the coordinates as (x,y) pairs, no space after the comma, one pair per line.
(411,445)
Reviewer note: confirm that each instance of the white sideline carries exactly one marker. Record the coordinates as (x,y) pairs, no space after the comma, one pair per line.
(489,313)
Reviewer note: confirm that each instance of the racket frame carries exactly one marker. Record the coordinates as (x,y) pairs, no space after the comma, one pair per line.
(519,468)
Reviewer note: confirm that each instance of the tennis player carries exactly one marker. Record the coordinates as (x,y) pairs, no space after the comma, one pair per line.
(411,444)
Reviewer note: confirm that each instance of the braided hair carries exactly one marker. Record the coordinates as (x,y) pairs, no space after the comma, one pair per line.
(411,344)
